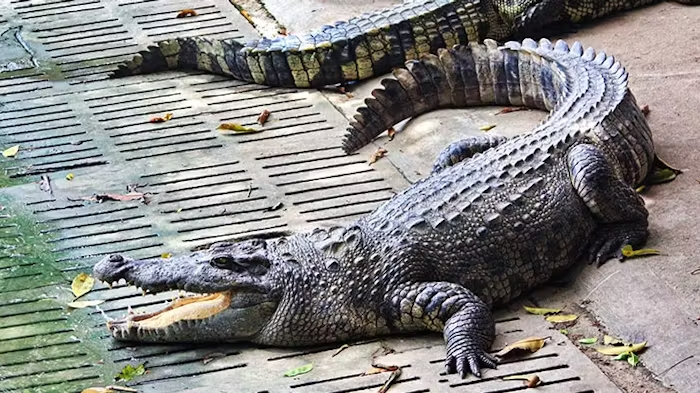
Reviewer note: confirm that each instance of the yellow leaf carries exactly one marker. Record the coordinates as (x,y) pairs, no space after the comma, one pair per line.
(70,176)
(610,340)
(487,127)
(532,344)
(562,318)
(166,255)
(11,152)
(235,127)
(614,351)
(98,390)
(542,311)
(84,303)
(531,381)
(628,252)
(82,284)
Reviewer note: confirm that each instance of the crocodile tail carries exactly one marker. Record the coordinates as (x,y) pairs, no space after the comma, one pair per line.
(223,57)
(473,75)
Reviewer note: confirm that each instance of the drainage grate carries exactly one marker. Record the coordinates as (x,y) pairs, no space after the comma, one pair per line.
(201,187)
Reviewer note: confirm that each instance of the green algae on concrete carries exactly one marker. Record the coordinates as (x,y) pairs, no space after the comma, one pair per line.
(44,345)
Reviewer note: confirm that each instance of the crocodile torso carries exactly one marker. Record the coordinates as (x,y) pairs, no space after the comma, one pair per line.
(481,230)
(371,44)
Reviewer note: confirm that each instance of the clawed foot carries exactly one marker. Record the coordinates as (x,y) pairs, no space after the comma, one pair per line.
(469,360)
(609,242)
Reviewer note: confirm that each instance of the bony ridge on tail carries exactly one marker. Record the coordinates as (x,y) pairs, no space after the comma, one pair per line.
(372,44)
(478,232)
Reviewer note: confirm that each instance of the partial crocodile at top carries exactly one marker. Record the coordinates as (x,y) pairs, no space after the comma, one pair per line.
(372,44)
(496,218)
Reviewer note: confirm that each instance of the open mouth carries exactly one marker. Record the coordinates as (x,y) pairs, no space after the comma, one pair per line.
(195,308)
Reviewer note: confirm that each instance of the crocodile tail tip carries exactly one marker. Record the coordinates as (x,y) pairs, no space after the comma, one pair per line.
(146,61)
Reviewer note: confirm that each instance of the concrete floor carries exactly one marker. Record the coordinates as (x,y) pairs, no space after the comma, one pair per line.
(655,299)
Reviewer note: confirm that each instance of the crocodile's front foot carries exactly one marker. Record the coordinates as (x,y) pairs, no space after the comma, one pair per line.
(466,347)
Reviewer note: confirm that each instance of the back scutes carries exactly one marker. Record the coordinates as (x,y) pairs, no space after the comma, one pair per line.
(575,85)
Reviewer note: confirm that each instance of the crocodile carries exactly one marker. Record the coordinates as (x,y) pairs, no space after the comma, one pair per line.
(371,44)
(496,217)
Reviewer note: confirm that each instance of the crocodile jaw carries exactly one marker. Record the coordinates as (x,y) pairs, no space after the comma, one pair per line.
(224,316)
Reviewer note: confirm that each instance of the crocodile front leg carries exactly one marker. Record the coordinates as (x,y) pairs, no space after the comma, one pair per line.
(464,149)
(616,206)
(464,319)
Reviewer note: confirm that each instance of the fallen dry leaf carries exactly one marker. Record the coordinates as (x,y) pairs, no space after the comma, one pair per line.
(542,311)
(163,119)
(487,127)
(247,17)
(395,374)
(645,110)
(512,109)
(299,370)
(392,133)
(98,390)
(532,344)
(562,318)
(341,349)
(610,340)
(531,381)
(381,152)
(186,12)
(628,252)
(99,198)
(237,128)
(262,119)
(614,351)
(84,303)
(11,152)
(82,284)
(210,357)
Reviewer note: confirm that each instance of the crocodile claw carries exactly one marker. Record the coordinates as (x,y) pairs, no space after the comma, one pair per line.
(469,360)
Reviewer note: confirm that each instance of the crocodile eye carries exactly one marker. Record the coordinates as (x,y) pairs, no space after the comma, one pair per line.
(222,262)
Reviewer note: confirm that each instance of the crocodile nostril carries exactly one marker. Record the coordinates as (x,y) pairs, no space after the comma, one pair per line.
(116,258)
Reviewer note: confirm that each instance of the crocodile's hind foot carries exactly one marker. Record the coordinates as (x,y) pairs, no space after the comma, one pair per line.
(610,239)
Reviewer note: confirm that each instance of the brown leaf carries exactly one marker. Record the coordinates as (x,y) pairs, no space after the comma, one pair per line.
(99,198)
(262,119)
(512,109)
(531,381)
(645,110)
(246,15)
(186,12)
(381,152)
(163,119)
(532,344)
(392,133)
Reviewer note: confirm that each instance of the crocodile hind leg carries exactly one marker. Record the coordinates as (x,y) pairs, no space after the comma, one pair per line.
(464,149)
(464,319)
(616,206)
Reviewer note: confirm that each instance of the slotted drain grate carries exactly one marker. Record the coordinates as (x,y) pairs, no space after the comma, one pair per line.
(200,187)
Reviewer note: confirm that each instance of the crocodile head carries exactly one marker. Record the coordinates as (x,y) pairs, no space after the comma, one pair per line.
(234,300)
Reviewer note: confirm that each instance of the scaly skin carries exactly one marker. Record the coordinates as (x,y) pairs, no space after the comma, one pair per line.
(372,44)
(481,230)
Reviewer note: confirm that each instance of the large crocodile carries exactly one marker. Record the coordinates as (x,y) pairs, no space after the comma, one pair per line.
(372,44)
(481,230)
